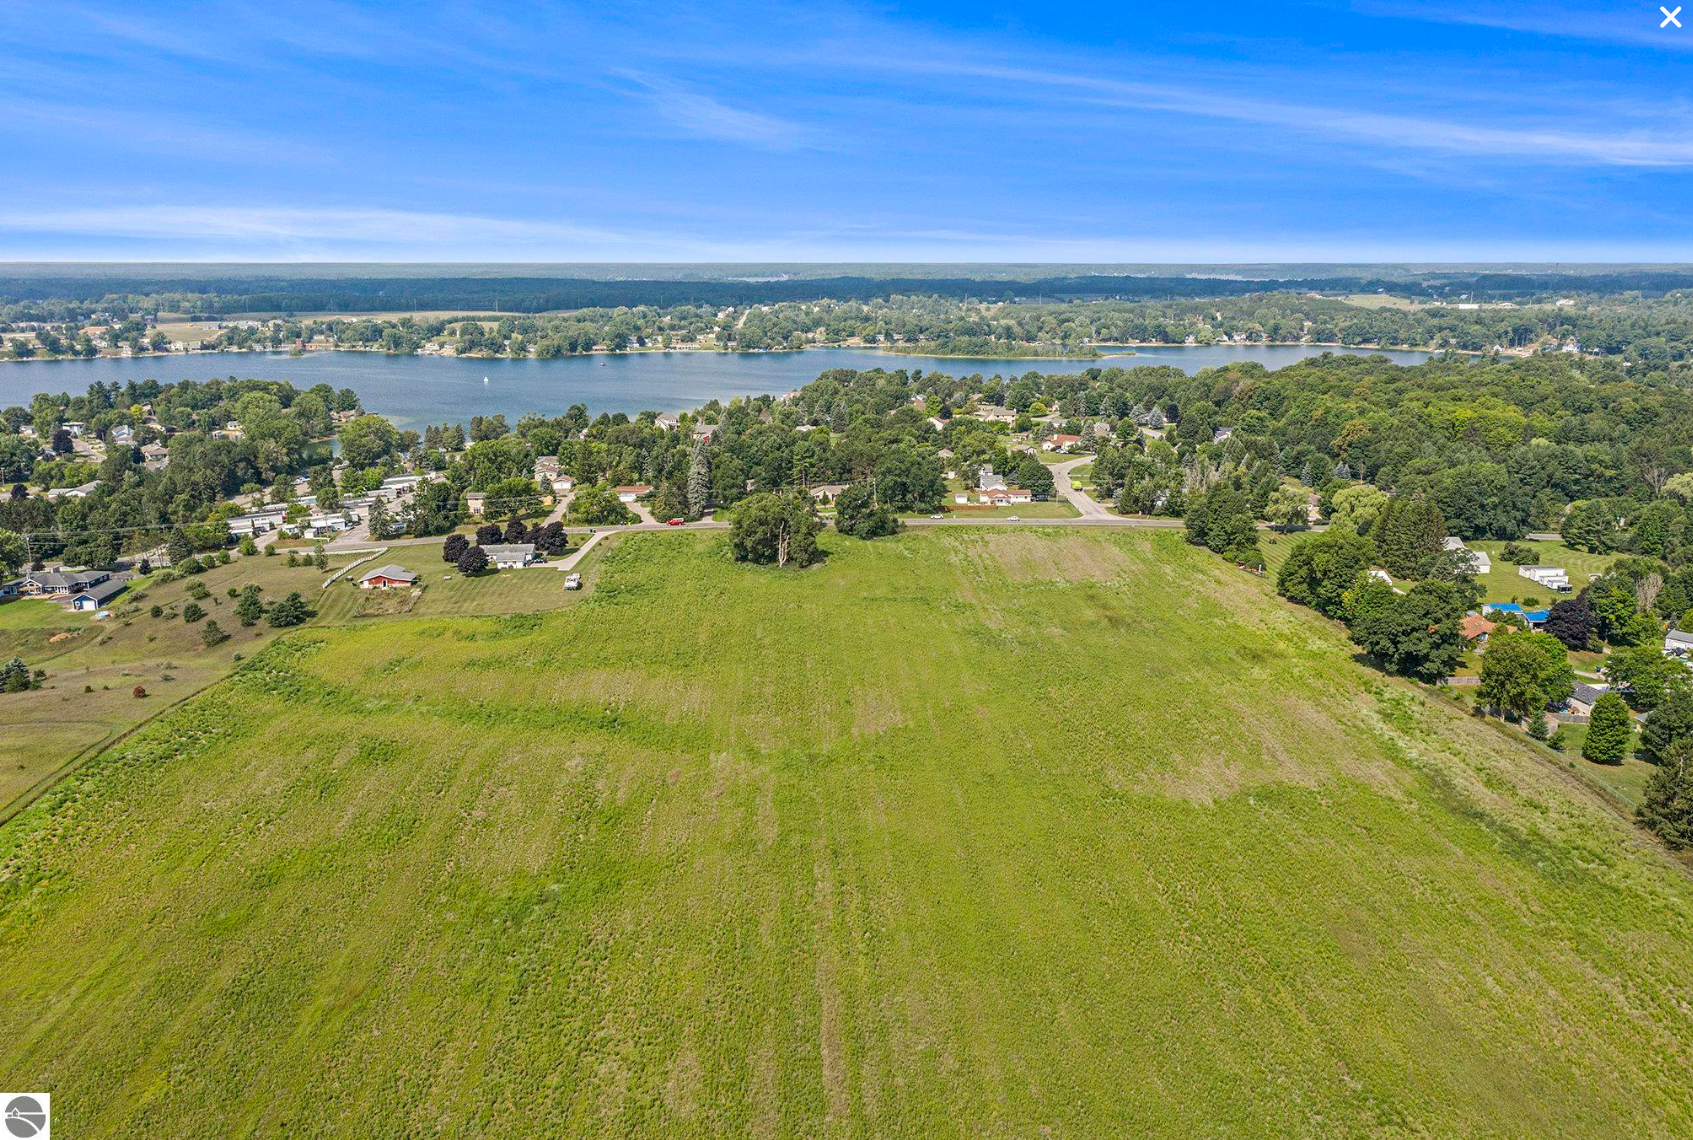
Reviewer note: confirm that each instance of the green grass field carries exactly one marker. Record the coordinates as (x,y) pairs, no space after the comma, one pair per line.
(1504,584)
(94,666)
(965,832)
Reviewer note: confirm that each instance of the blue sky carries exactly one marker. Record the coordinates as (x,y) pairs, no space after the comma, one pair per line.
(518,131)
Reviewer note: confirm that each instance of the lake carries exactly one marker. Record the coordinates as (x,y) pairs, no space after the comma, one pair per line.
(418,390)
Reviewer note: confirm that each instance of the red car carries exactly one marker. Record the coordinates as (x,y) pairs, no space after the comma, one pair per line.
(675,522)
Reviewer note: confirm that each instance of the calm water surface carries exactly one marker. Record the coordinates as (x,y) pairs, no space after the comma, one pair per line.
(418,390)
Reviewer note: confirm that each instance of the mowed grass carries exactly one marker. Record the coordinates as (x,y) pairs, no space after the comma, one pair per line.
(1503,584)
(965,832)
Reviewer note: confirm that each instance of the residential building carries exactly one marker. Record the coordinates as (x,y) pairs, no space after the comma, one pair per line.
(388,577)
(1476,629)
(1583,698)
(1221,434)
(1679,643)
(81,492)
(95,597)
(827,492)
(704,431)
(668,421)
(1480,563)
(154,455)
(631,493)
(123,434)
(1532,618)
(510,556)
(474,501)
(61,583)
(1059,442)
(988,481)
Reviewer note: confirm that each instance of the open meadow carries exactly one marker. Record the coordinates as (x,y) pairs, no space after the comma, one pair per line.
(1021,832)
(93,666)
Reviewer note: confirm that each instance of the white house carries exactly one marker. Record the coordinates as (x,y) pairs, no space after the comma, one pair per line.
(631,493)
(81,492)
(988,481)
(510,556)
(1551,577)
(474,501)
(563,484)
(668,421)
(1480,563)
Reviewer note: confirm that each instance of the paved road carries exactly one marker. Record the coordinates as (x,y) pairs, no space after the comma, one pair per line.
(1089,507)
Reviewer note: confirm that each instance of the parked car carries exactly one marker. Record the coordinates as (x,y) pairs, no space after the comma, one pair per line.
(675,522)
(937,516)
(573,582)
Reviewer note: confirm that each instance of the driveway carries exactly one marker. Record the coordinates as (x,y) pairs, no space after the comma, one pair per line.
(1089,507)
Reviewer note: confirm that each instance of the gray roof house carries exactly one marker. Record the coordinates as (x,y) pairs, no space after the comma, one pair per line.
(97,595)
(62,581)
(511,555)
(387,577)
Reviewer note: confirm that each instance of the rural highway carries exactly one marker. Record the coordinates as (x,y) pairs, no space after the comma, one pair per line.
(1092,514)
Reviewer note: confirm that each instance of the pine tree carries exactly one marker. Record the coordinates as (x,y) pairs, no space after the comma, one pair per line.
(1608,731)
(699,480)
(14,678)
(178,547)
(1667,807)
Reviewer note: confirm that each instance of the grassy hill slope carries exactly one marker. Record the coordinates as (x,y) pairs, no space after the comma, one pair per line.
(960,833)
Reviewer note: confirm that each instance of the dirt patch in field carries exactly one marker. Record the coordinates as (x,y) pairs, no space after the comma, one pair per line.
(874,713)
(1285,740)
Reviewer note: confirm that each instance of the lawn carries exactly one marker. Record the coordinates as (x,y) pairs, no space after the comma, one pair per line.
(1504,584)
(1011,832)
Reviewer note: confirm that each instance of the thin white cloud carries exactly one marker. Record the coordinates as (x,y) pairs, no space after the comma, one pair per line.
(1639,147)
(1634,25)
(703,116)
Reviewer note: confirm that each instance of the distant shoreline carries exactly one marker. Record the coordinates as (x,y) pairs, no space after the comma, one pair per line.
(883,350)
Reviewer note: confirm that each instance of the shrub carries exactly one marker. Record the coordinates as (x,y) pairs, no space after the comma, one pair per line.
(138,692)
(193,612)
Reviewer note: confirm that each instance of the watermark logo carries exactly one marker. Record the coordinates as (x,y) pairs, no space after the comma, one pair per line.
(27,1115)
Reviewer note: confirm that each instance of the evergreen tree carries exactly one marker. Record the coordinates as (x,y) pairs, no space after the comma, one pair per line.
(1669,723)
(251,607)
(178,547)
(1667,806)
(1608,731)
(14,678)
(290,611)
(699,480)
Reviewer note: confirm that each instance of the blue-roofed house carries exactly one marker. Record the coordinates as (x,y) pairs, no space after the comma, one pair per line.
(1532,618)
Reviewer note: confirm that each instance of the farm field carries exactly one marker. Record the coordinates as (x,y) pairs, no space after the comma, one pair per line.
(968,831)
